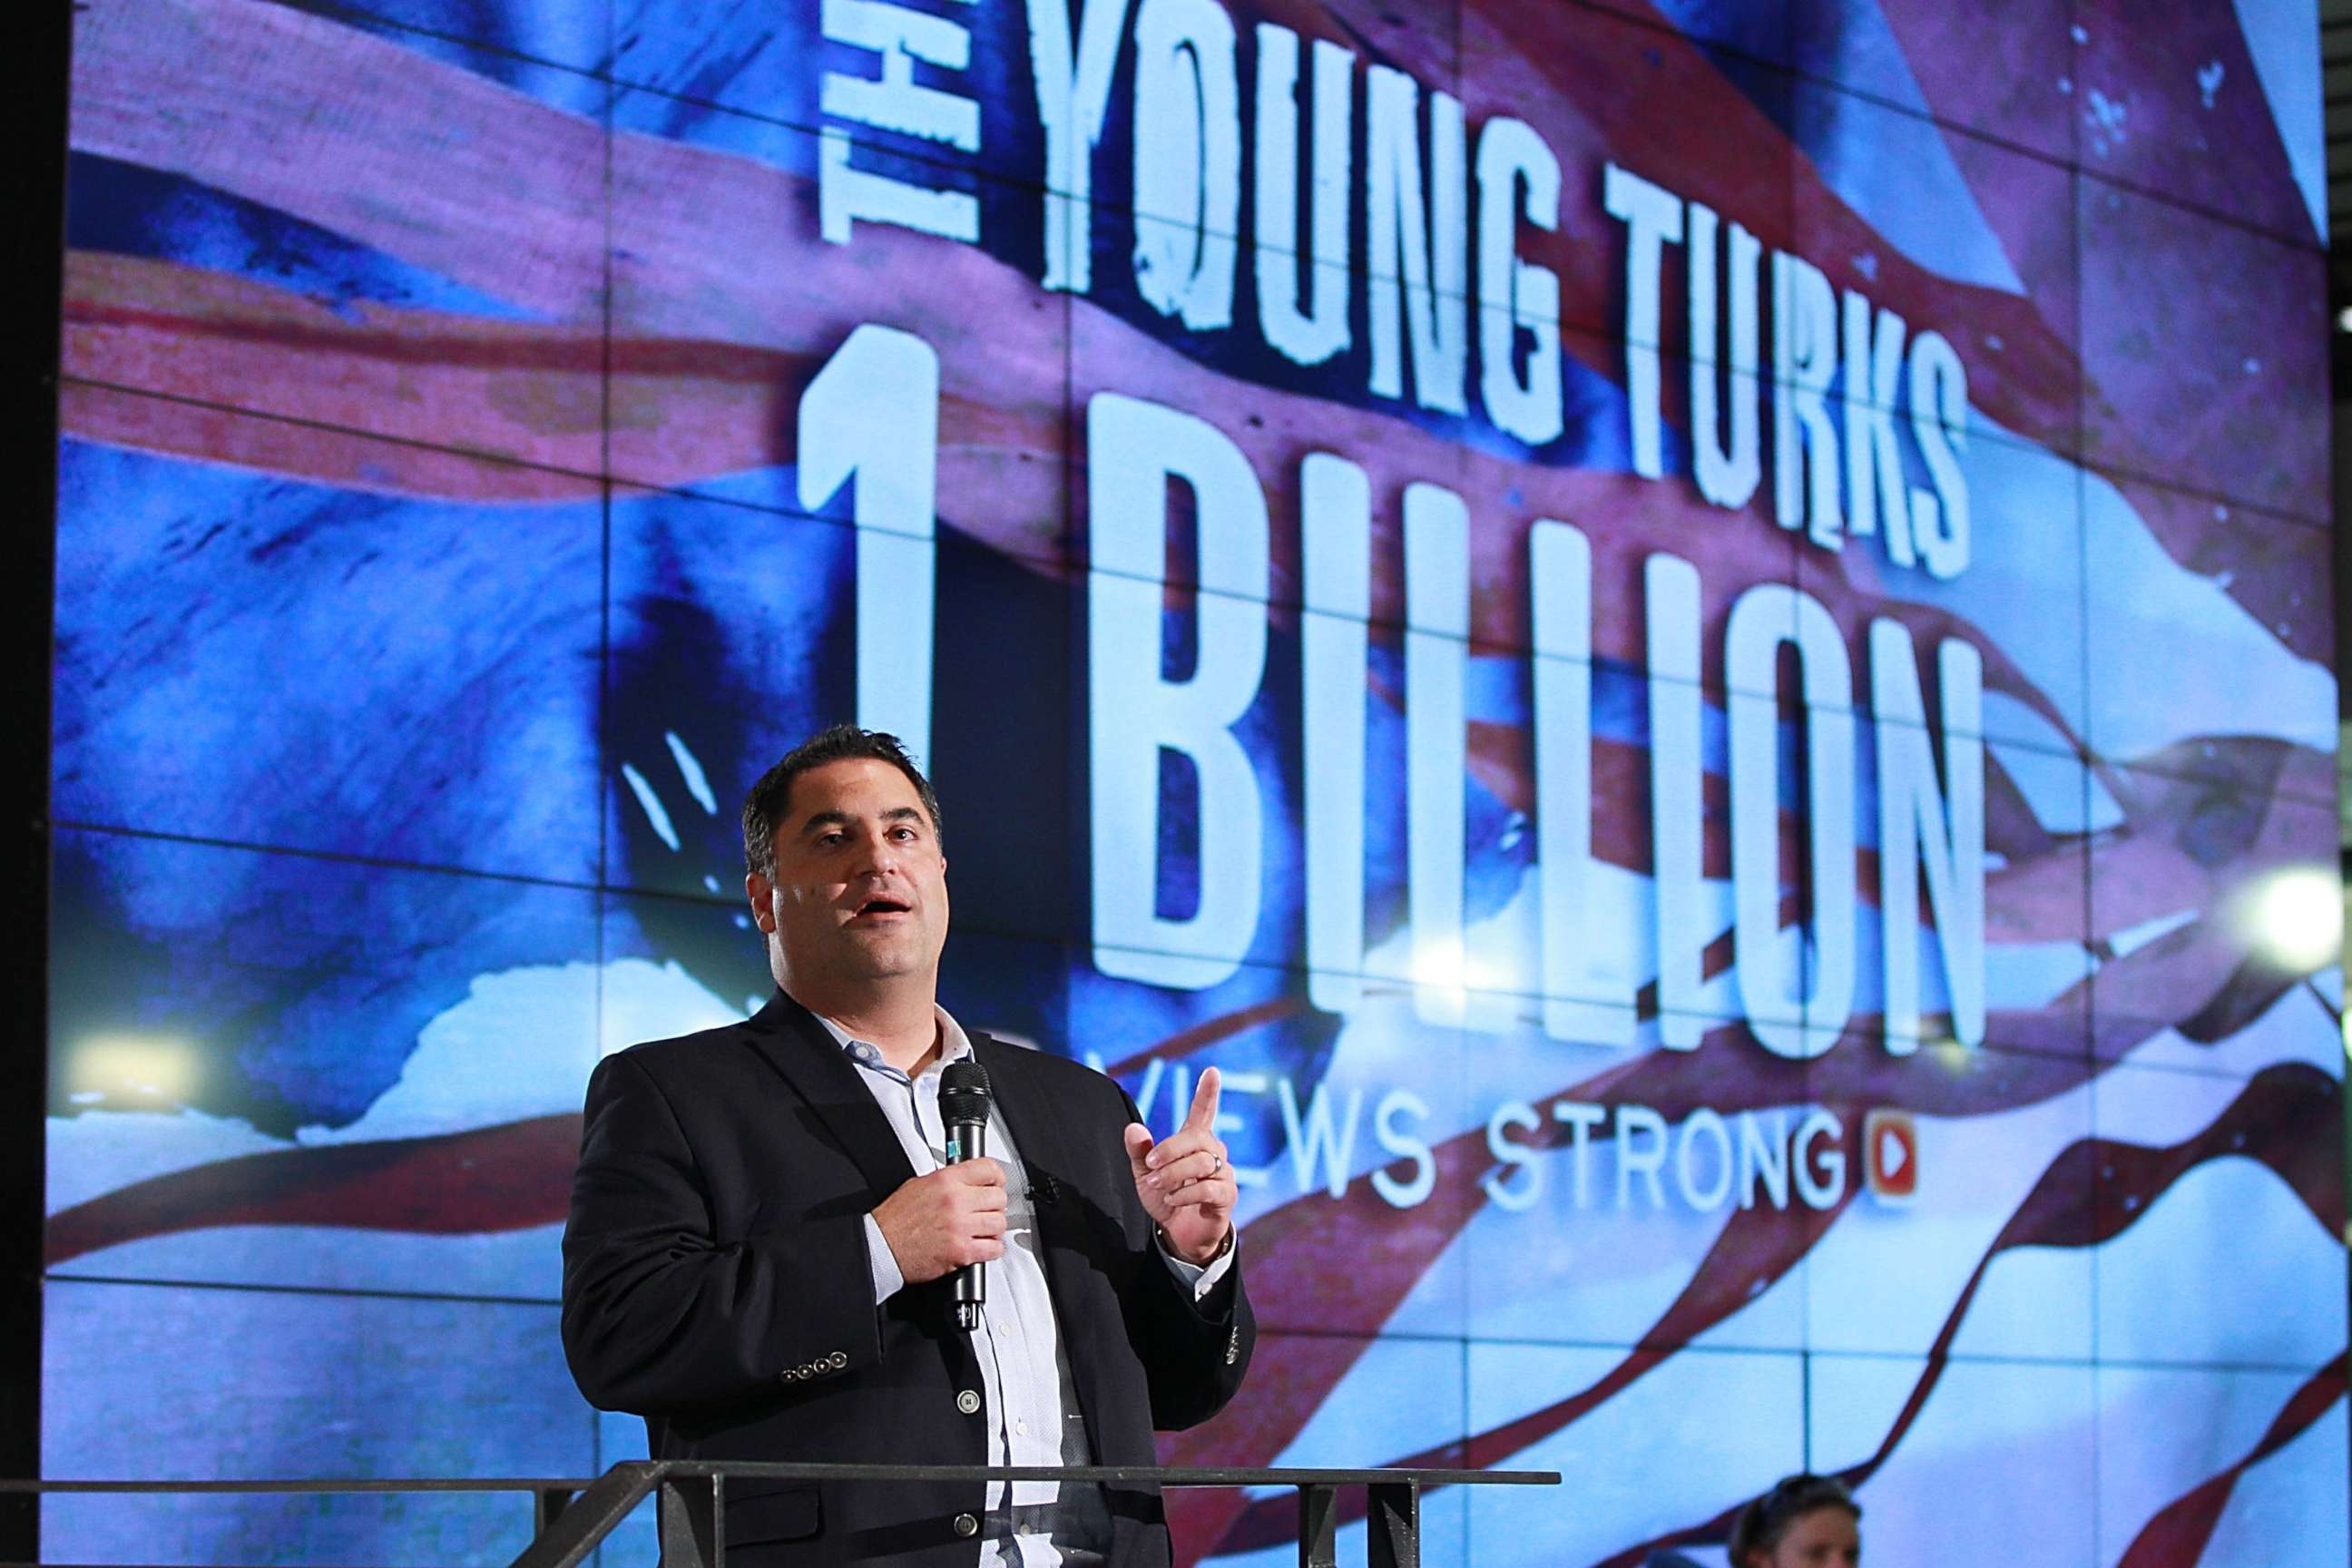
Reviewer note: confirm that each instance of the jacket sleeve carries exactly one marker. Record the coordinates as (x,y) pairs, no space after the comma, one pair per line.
(661,1317)
(1194,1353)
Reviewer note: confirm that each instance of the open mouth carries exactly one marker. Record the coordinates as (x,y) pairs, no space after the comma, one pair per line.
(882,905)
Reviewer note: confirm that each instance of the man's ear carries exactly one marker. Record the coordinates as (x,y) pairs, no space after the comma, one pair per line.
(762,893)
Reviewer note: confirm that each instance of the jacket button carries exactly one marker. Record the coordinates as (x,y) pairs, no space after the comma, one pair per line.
(968,1403)
(836,1361)
(967,1526)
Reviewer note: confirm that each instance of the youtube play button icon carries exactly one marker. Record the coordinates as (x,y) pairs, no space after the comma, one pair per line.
(1890,1155)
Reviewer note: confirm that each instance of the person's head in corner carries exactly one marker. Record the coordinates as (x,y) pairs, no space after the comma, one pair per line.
(846,868)
(1804,1522)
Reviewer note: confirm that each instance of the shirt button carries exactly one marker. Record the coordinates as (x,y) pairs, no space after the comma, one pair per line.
(1022,1427)
(968,1403)
(966,1526)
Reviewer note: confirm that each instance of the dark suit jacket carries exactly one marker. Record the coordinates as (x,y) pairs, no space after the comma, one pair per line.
(716,1282)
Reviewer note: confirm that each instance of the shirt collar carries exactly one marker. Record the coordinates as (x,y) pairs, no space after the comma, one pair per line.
(954,1046)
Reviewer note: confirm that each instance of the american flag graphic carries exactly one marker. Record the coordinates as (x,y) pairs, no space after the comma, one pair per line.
(433,575)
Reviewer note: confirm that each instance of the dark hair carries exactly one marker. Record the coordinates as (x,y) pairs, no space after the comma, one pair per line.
(1762,1523)
(769,799)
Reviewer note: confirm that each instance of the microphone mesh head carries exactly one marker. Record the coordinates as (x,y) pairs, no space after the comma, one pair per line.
(963,1091)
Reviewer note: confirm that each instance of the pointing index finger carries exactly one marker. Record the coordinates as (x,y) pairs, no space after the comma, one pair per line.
(1202,1117)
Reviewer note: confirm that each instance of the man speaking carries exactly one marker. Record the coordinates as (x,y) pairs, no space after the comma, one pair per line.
(768,1228)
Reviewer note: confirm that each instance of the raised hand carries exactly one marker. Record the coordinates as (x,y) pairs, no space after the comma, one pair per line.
(937,1224)
(1184,1181)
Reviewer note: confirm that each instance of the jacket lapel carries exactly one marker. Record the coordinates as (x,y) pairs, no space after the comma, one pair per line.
(1042,1138)
(1037,1132)
(820,1071)
(1058,1196)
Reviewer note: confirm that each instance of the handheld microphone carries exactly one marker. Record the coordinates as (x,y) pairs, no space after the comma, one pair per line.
(964,1110)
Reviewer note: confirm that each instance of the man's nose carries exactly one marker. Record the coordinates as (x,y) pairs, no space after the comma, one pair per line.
(880,855)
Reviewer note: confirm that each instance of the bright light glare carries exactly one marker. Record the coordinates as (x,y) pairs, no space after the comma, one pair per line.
(134,1065)
(1448,966)
(2294,917)
(1441,967)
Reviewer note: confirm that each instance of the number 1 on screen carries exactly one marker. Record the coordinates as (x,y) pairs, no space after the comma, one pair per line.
(873,413)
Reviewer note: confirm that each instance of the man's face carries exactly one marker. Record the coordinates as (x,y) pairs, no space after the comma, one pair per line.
(860,893)
(1822,1538)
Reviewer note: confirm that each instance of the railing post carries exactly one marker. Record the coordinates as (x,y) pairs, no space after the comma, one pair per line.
(1318,1526)
(547,1505)
(572,1525)
(1392,1538)
(694,1522)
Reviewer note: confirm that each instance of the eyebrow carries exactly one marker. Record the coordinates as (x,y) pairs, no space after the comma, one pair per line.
(843,819)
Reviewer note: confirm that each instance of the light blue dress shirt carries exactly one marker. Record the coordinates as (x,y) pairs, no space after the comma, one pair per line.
(1027,1395)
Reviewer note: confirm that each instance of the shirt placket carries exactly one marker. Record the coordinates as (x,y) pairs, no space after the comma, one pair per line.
(1019,1341)
(924,1095)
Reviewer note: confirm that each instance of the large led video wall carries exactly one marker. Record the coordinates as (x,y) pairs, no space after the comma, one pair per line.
(1690,640)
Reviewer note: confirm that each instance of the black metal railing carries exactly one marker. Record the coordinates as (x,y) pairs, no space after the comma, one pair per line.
(570,1516)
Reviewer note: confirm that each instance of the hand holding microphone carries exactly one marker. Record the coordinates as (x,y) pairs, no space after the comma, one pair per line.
(963,1112)
(952,1219)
